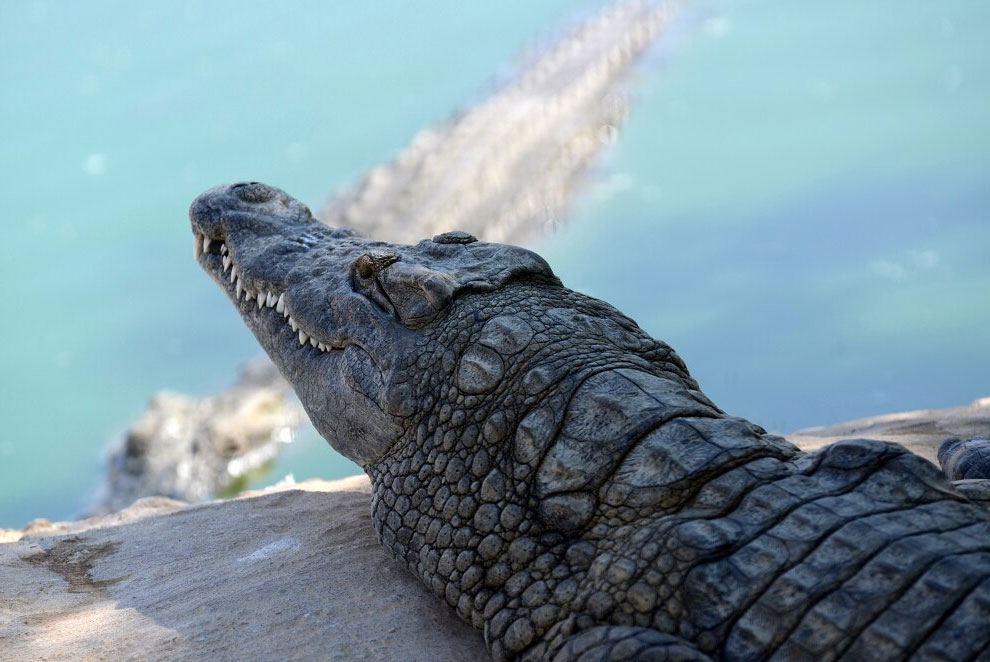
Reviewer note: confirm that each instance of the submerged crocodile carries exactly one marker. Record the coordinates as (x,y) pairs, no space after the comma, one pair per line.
(557,477)
(507,168)
(195,449)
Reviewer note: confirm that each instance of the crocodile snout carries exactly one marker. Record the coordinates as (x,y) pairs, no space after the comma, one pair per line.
(215,213)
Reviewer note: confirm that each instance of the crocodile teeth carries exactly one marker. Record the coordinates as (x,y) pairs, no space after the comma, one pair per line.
(206,244)
(223,248)
(266,299)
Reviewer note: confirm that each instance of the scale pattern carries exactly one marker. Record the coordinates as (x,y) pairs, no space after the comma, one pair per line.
(567,488)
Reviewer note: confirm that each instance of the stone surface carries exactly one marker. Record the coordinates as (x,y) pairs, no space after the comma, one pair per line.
(921,431)
(295,573)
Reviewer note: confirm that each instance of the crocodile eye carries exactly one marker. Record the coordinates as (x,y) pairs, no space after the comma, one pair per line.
(365,272)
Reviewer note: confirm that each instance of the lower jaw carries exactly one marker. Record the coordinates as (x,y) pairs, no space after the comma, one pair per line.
(251,309)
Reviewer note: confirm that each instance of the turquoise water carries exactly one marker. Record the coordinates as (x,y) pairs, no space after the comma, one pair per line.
(800,203)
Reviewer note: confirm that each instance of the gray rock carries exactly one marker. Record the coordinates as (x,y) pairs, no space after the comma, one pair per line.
(291,574)
(922,432)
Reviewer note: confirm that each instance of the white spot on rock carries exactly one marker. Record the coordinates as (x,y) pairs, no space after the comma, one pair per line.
(280,546)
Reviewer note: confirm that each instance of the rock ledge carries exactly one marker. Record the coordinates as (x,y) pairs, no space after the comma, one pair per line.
(290,573)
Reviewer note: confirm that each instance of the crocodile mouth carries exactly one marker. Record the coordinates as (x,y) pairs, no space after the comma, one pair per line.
(253,299)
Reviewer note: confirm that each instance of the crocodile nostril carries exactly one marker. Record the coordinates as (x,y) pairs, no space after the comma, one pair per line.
(253,191)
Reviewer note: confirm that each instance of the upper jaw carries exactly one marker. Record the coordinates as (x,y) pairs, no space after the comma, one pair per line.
(254,299)
(272,261)
(261,301)
(251,204)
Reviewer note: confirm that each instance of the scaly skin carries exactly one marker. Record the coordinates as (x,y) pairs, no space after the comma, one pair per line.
(965,459)
(555,475)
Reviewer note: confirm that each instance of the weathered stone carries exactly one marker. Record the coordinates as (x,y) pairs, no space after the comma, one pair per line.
(288,574)
(921,432)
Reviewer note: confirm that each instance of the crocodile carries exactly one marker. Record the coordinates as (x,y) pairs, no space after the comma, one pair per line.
(965,459)
(197,449)
(556,475)
(507,167)
(515,158)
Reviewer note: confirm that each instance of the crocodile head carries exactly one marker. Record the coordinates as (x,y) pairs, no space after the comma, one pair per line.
(339,313)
